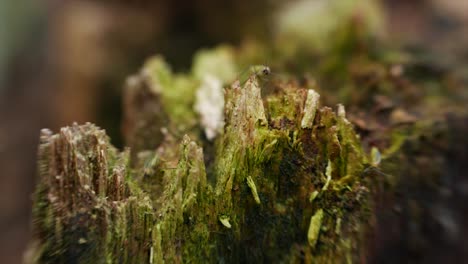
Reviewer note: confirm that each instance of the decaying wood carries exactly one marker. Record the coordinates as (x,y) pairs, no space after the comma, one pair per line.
(285,179)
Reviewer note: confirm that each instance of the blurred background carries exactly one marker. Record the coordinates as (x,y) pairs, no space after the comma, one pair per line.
(66,61)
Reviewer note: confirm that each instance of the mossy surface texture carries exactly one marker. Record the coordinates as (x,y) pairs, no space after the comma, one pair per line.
(224,167)
(254,205)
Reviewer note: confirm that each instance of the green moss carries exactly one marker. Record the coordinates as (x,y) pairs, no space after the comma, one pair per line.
(267,168)
(289,181)
(177,90)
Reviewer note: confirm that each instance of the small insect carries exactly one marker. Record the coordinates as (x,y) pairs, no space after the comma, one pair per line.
(261,72)
(262,69)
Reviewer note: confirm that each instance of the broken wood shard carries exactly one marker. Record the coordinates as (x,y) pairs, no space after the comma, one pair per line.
(314,228)
(310,108)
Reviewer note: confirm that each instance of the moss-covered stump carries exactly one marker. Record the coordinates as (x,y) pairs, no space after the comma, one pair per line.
(284,181)
(234,164)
